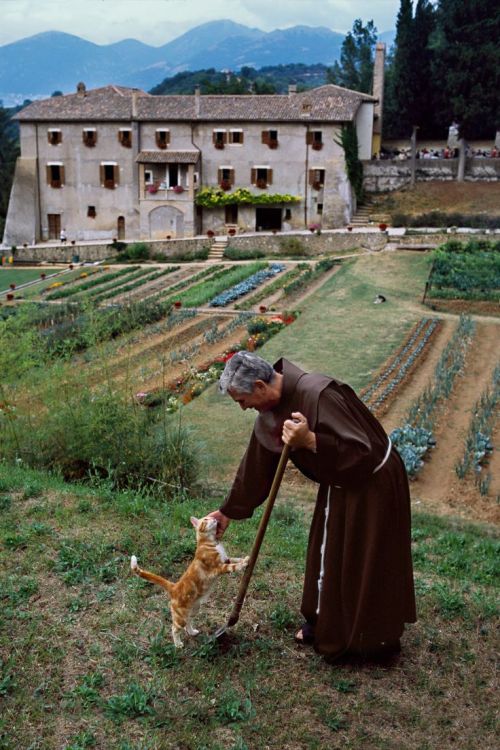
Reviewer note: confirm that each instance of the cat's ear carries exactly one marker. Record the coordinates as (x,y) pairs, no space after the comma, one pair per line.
(195,522)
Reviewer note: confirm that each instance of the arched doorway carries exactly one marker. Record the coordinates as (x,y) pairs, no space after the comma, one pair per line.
(121,227)
(164,221)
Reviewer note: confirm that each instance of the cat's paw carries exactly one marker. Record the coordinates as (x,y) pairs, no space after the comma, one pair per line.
(245,561)
(192,631)
(133,563)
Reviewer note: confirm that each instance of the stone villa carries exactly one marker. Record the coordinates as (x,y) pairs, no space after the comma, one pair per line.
(118,162)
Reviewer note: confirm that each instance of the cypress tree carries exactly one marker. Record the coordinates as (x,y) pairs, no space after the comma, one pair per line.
(355,70)
(402,78)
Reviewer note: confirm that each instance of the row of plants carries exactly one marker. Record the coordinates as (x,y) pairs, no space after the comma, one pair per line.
(145,279)
(309,275)
(195,380)
(104,277)
(415,437)
(393,375)
(235,253)
(478,445)
(443,219)
(275,286)
(465,271)
(203,292)
(210,197)
(244,287)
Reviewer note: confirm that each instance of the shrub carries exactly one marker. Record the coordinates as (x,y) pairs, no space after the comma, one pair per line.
(292,246)
(444,219)
(236,253)
(135,252)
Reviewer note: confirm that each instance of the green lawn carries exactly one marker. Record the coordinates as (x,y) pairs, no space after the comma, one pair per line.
(86,656)
(22,275)
(340,332)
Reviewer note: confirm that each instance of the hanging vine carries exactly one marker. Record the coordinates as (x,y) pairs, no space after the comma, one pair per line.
(349,142)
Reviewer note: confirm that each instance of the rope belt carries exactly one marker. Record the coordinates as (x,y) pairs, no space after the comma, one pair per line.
(384,460)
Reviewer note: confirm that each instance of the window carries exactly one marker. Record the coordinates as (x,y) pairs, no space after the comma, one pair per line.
(173,175)
(109,174)
(314,138)
(54,136)
(91,213)
(320,208)
(148,176)
(261,176)
(55,174)
(162,138)
(236,136)
(316,178)
(125,137)
(288,214)
(225,177)
(89,136)
(270,138)
(219,138)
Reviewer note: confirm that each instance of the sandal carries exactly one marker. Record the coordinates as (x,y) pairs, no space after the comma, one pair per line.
(305,636)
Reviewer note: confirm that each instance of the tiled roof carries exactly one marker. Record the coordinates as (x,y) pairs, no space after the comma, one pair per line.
(168,157)
(326,103)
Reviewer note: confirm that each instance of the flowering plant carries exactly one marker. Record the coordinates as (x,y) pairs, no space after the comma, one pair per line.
(178,189)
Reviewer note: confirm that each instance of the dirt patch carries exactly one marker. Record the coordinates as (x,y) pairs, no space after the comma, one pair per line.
(451,197)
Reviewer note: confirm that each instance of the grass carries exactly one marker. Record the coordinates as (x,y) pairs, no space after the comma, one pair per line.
(450,197)
(22,275)
(87,658)
(356,338)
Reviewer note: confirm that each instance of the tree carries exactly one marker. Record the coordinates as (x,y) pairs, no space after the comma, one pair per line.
(466,70)
(422,96)
(402,77)
(9,151)
(355,70)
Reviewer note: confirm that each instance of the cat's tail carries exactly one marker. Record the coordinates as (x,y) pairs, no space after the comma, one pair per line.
(152,577)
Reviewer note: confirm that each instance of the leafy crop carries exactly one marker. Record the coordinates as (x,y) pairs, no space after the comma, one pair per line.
(243,287)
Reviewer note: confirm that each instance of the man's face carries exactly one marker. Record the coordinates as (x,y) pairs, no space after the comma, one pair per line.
(260,399)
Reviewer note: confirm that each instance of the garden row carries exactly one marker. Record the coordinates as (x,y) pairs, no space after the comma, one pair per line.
(415,438)
(385,387)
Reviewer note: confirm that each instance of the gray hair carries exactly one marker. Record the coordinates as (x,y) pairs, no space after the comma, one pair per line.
(242,370)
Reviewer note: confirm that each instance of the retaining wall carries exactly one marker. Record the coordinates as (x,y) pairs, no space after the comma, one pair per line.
(393,174)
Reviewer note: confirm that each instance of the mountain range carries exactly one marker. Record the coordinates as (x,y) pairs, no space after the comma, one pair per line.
(38,65)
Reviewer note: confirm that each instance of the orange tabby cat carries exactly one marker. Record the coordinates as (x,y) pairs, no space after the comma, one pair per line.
(193,588)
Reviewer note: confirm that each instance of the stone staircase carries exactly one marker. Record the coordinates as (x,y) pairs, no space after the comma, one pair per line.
(362,216)
(216,253)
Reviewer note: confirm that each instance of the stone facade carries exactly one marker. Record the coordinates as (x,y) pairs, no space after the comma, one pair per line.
(392,174)
(119,163)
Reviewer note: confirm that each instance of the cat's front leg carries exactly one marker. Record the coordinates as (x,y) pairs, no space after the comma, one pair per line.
(177,637)
(236,564)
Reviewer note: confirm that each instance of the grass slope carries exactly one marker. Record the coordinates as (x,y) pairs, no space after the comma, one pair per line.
(87,659)
(22,275)
(340,332)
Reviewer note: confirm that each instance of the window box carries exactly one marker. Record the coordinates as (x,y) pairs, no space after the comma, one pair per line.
(219,145)
(225,185)
(152,189)
(162,138)
(273,144)
(317,185)
(178,189)
(261,183)
(317,145)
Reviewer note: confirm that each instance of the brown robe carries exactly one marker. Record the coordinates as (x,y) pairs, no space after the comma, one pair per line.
(358,588)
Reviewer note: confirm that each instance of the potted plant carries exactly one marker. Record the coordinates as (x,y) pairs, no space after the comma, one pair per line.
(10,296)
(225,185)
(177,304)
(12,286)
(261,183)
(178,189)
(262,308)
(317,145)
(273,143)
(349,228)
(168,237)
(382,226)
(71,266)
(219,144)
(152,189)
(42,276)
(210,233)
(231,231)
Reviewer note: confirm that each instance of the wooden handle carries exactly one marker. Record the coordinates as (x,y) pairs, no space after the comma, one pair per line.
(235,612)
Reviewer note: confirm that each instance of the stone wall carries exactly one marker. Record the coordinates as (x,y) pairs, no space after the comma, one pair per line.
(393,174)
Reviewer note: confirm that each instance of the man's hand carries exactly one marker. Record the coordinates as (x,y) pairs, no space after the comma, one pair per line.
(222,522)
(296,433)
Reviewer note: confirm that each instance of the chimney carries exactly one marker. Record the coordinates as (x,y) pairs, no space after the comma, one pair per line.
(81,89)
(378,92)
(134,104)
(292,89)
(197,94)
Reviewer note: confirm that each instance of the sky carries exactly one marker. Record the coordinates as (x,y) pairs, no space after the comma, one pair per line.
(156,22)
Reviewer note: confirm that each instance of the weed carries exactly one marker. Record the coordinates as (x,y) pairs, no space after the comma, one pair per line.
(82,741)
(32,489)
(134,702)
(80,561)
(344,686)
(163,652)
(87,691)
(233,707)
(5,502)
(282,617)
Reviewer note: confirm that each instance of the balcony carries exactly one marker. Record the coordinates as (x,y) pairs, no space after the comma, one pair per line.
(160,192)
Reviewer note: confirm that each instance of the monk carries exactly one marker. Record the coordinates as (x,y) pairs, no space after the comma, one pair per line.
(358,588)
